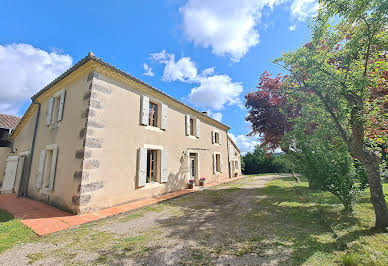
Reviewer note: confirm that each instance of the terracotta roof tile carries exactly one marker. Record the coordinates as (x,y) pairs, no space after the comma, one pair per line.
(8,121)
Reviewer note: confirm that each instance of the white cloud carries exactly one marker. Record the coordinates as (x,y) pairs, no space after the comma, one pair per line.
(302,9)
(292,27)
(148,70)
(229,27)
(215,115)
(183,70)
(244,143)
(24,70)
(215,92)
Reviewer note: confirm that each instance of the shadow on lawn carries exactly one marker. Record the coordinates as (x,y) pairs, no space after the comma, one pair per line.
(270,225)
(5,216)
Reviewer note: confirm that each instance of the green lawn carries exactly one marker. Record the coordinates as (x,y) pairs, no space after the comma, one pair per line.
(13,232)
(248,224)
(314,226)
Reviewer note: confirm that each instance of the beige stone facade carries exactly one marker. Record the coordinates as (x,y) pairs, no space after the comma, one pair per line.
(105,138)
(234,158)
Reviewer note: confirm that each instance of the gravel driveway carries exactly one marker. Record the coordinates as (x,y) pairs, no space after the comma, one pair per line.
(209,227)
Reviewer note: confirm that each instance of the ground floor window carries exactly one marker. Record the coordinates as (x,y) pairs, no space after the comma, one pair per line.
(47,168)
(236,164)
(151,166)
(218,162)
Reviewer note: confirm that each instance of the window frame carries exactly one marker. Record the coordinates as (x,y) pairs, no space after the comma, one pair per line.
(192,126)
(218,163)
(152,154)
(153,114)
(216,137)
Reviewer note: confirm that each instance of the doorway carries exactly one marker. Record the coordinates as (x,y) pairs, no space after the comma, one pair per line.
(193,166)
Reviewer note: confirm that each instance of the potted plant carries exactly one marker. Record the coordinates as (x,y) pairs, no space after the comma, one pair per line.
(191,183)
(202,181)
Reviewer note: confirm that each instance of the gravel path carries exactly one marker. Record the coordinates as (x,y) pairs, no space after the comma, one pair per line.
(209,227)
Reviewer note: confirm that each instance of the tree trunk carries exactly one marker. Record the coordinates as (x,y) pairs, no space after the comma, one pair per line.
(294,176)
(370,162)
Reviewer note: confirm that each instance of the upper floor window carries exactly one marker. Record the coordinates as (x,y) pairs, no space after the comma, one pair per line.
(55,108)
(192,126)
(153,114)
(216,137)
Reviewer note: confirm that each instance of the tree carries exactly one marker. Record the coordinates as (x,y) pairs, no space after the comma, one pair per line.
(336,67)
(260,161)
(270,113)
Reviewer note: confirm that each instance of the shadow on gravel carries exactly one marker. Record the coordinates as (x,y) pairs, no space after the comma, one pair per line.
(234,225)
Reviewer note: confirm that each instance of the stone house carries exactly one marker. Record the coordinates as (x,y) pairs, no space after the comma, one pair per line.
(96,137)
(7,124)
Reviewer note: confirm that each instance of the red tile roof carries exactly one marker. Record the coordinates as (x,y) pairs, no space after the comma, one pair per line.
(9,121)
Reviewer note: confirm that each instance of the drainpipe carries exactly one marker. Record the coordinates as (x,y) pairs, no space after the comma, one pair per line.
(25,187)
(227,147)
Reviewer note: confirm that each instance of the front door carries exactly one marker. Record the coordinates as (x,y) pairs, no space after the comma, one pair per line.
(192,166)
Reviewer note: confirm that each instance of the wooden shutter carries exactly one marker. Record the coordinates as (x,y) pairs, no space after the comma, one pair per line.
(142,167)
(164,117)
(61,104)
(198,167)
(164,166)
(230,169)
(145,112)
(52,169)
(214,163)
(39,177)
(213,137)
(10,174)
(197,127)
(220,162)
(49,111)
(187,125)
(219,138)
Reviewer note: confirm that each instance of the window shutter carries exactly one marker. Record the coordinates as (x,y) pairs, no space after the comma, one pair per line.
(219,138)
(52,169)
(213,137)
(142,167)
(187,125)
(49,111)
(198,166)
(39,177)
(230,169)
(164,117)
(214,163)
(220,162)
(164,166)
(10,174)
(197,125)
(61,104)
(145,112)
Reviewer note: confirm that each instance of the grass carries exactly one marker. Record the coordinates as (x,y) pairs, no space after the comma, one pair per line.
(300,226)
(315,228)
(13,232)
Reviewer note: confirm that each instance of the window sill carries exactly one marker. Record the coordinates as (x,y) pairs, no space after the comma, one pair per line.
(46,191)
(54,125)
(152,185)
(152,128)
(192,137)
(217,144)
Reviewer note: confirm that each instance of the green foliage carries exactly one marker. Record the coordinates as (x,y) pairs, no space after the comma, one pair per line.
(324,159)
(259,161)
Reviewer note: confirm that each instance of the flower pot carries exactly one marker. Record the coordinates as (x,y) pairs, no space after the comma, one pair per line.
(191,186)
(201,184)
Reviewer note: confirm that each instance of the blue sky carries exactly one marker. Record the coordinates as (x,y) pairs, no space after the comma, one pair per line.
(208,54)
